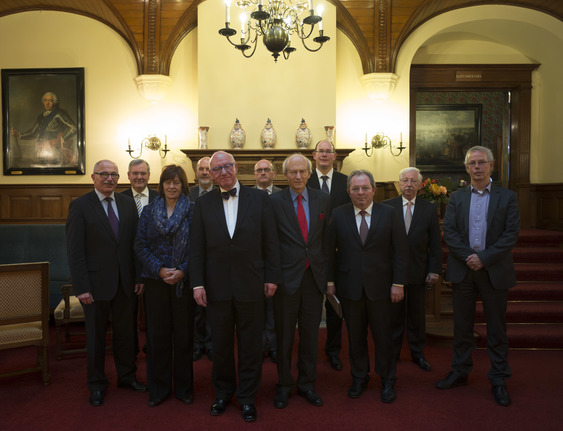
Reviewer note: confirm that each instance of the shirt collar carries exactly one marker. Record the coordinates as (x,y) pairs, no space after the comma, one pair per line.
(101,196)
(143,193)
(488,188)
(237,185)
(328,174)
(304,193)
(406,201)
(367,210)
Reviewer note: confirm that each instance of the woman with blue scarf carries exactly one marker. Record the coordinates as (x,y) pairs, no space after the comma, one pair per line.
(162,246)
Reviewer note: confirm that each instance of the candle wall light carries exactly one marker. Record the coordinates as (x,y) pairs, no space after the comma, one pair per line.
(151,142)
(381,141)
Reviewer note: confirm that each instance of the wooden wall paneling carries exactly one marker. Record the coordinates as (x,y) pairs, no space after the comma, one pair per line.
(549,198)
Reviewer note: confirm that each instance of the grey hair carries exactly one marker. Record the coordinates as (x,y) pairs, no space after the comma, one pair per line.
(138,162)
(410,169)
(485,150)
(105,160)
(309,164)
(359,172)
(53,95)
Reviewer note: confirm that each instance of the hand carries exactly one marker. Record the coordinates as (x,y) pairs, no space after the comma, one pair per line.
(397,293)
(200,297)
(139,287)
(330,289)
(85,298)
(431,279)
(473,262)
(170,275)
(270,289)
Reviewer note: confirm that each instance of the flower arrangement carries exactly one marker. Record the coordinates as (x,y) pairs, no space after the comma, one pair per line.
(432,191)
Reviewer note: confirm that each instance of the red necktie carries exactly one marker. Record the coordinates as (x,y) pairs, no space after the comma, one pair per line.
(302,220)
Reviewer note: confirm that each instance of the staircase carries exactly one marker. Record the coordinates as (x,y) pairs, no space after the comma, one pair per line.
(535,305)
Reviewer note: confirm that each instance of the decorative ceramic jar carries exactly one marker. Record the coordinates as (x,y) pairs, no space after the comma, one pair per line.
(303,135)
(268,136)
(238,136)
(203,137)
(330,134)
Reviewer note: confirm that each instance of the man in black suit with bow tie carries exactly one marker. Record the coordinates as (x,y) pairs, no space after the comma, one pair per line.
(302,222)
(234,264)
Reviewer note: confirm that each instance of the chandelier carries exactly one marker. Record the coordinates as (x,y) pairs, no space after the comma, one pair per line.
(275,21)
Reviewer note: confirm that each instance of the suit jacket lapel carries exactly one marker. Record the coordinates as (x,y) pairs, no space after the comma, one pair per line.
(375,215)
(466,204)
(218,210)
(289,210)
(313,212)
(243,206)
(493,203)
(98,209)
(351,216)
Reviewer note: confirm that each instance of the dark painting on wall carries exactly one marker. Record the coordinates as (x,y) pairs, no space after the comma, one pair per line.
(444,133)
(43,121)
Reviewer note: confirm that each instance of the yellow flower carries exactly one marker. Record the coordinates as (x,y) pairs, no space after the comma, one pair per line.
(436,189)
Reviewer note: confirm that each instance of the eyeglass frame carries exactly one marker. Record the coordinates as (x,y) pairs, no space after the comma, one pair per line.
(227,167)
(104,175)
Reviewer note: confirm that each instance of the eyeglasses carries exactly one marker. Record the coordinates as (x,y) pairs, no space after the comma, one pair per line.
(266,170)
(477,162)
(324,151)
(105,175)
(228,167)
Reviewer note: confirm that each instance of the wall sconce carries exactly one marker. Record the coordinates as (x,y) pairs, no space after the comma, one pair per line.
(151,142)
(382,141)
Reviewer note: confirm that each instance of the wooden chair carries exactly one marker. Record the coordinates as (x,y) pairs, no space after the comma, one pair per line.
(68,313)
(24,312)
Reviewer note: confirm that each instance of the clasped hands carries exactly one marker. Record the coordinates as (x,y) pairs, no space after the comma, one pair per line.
(473,262)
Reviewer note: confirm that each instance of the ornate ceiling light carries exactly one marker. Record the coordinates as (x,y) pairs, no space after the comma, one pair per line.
(275,21)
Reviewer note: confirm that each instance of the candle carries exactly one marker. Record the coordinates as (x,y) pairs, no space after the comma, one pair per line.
(129,143)
(401,137)
(310,4)
(320,10)
(228,7)
(242,22)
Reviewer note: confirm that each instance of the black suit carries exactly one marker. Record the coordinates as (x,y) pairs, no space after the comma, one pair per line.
(363,275)
(300,294)
(233,272)
(338,196)
(492,282)
(104,266)
(425,256)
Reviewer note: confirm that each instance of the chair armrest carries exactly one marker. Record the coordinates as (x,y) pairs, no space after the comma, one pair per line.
(67,290)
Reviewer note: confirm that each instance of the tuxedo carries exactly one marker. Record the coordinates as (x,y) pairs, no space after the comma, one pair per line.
(491,282)
(298,300)
(104,265)
(233,271)
(338,196)
(425,256)
(363,275)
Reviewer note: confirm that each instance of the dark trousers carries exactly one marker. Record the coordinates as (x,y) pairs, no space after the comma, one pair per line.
(269,340)
(97,316)
(247,320)
(333,343)
(376,315)
(412,310)
(494,305)
(304,310)
(170,328)
(202,332)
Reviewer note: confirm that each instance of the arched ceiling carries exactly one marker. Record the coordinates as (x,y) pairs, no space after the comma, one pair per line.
(154,28)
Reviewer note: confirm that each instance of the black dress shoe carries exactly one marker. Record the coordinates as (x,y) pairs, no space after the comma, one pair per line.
(97,398)
(198,353)
(388,394)
(502,397)
(249,413)
(312,397)
(422,363)
(135,385)
(281,399)
(186,399)
(218,407)
(358,386)
(335,362)
(273,355)
(451,381)
(154,402)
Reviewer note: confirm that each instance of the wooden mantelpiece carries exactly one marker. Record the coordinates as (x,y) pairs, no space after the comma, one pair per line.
(246,159)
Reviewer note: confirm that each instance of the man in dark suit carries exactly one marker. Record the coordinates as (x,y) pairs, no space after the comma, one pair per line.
(101,228)
(302,222)
(327,179)
(264,174)
(234,263)
(420,218)
(481,227)
(202,329)
(139,173)
(369,254)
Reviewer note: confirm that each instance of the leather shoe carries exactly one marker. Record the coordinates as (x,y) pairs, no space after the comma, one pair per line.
(335,362)
(249,413)
(97,398)
(196,356)
(187,399)
(218,407)
(358,386)
(451,381)
(135,385)
(422,363)
(281,399)
(273,355)
(502,397)
(312,397)
(388,394)
(154,402)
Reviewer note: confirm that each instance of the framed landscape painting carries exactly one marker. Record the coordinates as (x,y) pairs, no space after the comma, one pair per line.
(43,121)
(444,133)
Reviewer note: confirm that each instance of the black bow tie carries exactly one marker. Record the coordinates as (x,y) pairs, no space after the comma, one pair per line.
(227,195)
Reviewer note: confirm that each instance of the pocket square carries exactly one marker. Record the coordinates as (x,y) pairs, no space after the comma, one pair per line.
(321,216)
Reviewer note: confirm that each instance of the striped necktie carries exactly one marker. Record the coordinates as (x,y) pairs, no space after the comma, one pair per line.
(138,203)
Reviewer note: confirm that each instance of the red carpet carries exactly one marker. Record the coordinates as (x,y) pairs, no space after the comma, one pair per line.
(536,389)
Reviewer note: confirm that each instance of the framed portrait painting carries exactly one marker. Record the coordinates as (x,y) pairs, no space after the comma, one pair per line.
(43,121)
(444,133)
